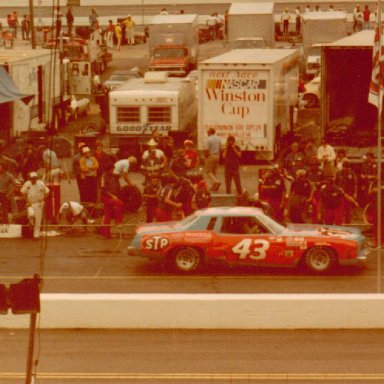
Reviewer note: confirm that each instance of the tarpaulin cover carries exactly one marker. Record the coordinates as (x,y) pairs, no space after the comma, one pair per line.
(9,91)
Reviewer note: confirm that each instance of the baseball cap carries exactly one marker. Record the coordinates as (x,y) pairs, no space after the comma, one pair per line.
(33,174)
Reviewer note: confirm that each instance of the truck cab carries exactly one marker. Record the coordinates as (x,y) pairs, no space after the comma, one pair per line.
(175,59)
(173,44)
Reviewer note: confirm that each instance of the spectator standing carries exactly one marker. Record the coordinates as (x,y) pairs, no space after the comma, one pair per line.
(366,17)
(373,198)
(357,17)
(151,197)
(191,155)
(298,20)
(307,8)
(330,9)
(88,167)
(93,20)
(368,174)
(272,190)
(51,164)
(119,35)
(129,30)
(112,204)
(232,156)
(332,202)
(226,17)
(285,18)
(291,158)
(77,171)
(7,186)
(211,23)
(347,181)
(70,20)
(14,22)
(35,193)
(213,147)
(25,27)
(341,157)
(110,34)
(164,11)
(28,162)
(317,8)
(327,156)
(168,147)
(300,194)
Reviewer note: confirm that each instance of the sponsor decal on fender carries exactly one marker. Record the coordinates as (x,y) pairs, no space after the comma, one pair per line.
(156,243)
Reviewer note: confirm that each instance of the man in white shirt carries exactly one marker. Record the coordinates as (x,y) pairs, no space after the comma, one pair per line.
(35,192)
(211,22)
(122,167)
(285,18)
(327,156)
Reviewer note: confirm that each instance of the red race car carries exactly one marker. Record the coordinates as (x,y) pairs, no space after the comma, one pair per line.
(242,235)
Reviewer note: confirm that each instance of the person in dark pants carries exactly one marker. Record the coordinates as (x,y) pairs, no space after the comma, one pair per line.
(272,190)
(151,196)
(232,156)
(346,180)
(373,196)
(89,166)
(300,193)
(113,205)
(332,200)
(70,19)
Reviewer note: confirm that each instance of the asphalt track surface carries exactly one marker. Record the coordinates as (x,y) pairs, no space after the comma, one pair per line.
(196,356)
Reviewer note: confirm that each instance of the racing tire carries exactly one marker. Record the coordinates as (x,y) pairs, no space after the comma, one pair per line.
(320,260)
(310,100)
(186,259)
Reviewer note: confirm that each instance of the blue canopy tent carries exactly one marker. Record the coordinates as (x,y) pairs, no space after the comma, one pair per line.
(9,91)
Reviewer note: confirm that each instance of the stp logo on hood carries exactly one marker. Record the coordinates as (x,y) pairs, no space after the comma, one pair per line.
(156,243)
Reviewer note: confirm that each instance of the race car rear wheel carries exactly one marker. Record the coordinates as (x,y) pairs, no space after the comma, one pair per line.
(320,259)
(186,259)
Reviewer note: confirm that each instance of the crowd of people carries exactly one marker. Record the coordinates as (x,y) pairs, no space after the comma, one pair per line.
(361,17)
(320,185)
(308,183)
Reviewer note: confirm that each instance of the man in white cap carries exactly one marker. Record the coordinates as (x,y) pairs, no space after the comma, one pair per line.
(35,192)
(122,168)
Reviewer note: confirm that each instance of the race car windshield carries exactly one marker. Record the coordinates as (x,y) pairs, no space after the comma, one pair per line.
(272,225)
(185,222)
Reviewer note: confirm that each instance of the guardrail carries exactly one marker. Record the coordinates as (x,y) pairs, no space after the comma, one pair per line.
(206,311)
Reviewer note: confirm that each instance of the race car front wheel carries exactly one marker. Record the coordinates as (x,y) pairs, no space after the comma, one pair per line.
(319,260)
(187,259)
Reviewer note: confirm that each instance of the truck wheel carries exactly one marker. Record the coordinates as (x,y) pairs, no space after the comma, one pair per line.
(186,259)
(320,260)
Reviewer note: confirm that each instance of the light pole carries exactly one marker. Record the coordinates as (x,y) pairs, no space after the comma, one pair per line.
(32,21)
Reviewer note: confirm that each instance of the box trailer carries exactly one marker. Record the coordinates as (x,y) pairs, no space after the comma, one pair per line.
(34,72)
(173,43)
(251,20)
(319,28)
(347,118)
(155,102)
(251,94)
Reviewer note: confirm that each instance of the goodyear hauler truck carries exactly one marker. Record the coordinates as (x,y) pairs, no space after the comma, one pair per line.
(154,102)
(250,94)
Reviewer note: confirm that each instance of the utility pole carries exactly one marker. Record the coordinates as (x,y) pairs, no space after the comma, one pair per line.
(32,24)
